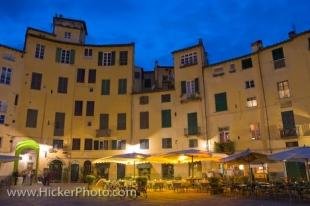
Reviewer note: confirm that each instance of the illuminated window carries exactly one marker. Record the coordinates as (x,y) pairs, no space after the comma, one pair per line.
(284,89)
(251,102)
(255,131)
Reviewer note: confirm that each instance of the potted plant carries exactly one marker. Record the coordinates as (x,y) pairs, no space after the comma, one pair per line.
(89,179)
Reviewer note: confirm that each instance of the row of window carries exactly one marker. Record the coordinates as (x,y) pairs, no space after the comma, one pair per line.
(221,98)
(36,82)
(277,56)
(164,98)
(67,56)
(94,144)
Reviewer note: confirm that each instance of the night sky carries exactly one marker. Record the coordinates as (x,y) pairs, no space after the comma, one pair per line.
(159,27)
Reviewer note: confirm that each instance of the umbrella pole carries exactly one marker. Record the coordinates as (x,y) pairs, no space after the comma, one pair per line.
(307,169)
(192,166)
(285,172)
(134,169)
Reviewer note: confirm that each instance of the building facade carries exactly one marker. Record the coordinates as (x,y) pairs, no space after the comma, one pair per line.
(80,102)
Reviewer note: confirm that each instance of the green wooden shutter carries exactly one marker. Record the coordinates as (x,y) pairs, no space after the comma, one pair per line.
(58,54)
(192,123)
(183,87)
(105,87)
(113,58)
(100,56)
(197,85)
(72,56)
(166,118)
(220,102)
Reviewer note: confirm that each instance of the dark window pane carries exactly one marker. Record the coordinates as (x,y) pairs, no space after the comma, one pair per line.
(76,144)
(121,121)
(192,123)
(166,143)
(165,98)
(58,143)
(123,57)
(59,124)
(92,76)
(220,102)
(122,86)
(144,120)
(80,77)
(62,85)
(144,100)
(32,115)
(88,144)
(147,83)
(105,87)
(246,63)
(278,54)
(36,80)
(104,121)
(90,107)
(78,110)
(166,118)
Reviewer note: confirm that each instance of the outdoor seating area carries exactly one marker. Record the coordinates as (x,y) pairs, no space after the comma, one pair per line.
(235,185)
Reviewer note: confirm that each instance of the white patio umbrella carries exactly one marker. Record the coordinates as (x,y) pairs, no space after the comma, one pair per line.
(297,153)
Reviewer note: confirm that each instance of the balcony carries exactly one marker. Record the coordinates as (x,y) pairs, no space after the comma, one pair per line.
(288,133)
(103,133)
(192,131)
(190,97)
(279,63)
(227,147)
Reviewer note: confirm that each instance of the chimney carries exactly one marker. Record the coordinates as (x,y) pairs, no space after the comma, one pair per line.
(257,45)
(200,41)
(156,63)
(292,34)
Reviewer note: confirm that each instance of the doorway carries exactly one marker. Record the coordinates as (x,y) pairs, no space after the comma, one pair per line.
(55,168)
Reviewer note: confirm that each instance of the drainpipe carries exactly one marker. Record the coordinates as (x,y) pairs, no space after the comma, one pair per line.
(264,97)
(204,99)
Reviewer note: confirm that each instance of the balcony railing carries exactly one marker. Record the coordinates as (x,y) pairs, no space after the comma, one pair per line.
(103,133)
(289,132)
(190,97)
(192,131)
(279,63)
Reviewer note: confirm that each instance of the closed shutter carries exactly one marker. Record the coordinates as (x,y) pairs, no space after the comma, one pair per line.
(100,56)
(192,123)
(58,54)
(220,102)
(105,87)
(104,121)
(59,124)
(166,118)
(113,58)
(144,120)
(183,87)
(72,56)
(197,85)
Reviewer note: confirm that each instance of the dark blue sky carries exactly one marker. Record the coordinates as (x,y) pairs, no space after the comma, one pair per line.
(159,27)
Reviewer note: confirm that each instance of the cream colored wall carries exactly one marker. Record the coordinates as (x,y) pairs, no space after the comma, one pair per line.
(7,94)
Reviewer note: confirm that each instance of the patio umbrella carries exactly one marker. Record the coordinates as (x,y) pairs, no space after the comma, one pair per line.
(186,156)
(128,158)
(246,157)
(297,153)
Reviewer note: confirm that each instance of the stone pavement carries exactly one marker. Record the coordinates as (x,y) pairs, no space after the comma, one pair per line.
(154,198)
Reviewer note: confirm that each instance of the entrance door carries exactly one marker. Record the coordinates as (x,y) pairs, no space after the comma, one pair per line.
(74,172)
(296,171)
(56,170)
(87,168)
(103,170)
(121,169)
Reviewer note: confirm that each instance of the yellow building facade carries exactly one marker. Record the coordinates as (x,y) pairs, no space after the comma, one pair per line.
(81,102)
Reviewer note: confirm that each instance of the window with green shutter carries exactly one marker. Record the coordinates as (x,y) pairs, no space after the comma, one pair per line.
(122,86)
(166,118)
(220,102)
(183,87)
(192,123)
(100,57)
(121,121)
(58,55)
(105,87)
(72,56)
